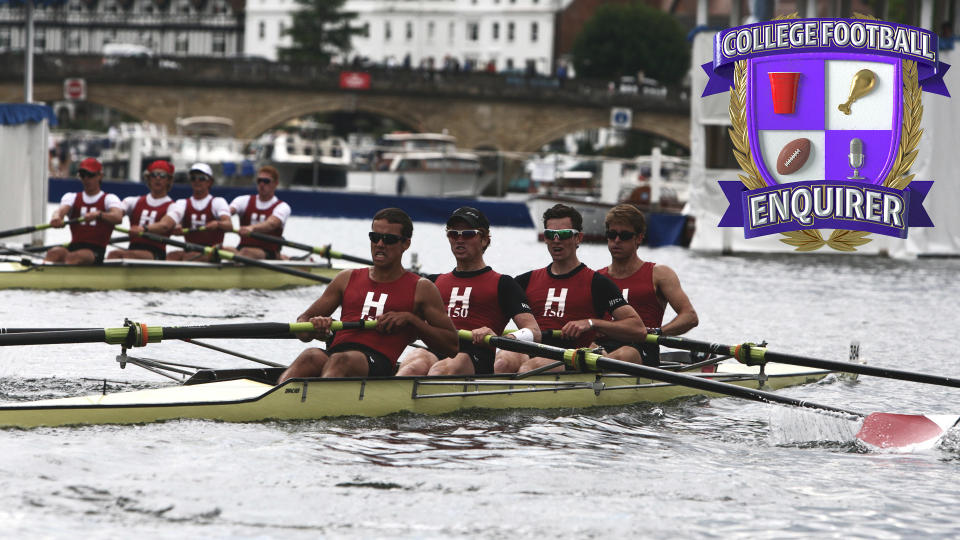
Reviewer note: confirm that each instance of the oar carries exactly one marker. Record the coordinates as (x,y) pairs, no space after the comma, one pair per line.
(881,430)
(33,228)
(229,255)
(139,335)
(324,251)
(756,355)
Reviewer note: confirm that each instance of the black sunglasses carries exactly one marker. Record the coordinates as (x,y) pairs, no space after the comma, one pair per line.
(388,239)
(465,234)
(264,180)
(624,235)
(195,177)
(83,173)
(559,234)
(159,175)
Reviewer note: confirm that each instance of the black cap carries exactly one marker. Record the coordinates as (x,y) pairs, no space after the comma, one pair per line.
(472,216)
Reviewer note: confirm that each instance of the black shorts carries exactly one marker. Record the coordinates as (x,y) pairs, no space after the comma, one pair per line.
(159,253)
(481,357)
(98,251)
(378,364)
(649,353)
(271,254)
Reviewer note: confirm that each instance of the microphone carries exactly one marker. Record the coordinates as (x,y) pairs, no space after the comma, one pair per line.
(855,158)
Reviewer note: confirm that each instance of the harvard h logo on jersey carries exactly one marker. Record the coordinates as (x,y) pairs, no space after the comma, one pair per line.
(148,217)
(561,301)
(373,308)
(198,220)
(463,310)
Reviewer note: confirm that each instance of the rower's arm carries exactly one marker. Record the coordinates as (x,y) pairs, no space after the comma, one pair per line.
(225,223)
(527,320)
(626,325)
(271,225)
(435,329)
(668,284)
(113,215)
(164,226)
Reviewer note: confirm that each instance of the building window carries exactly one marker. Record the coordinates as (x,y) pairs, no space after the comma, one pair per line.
(509,64)
(431,27)
(281,29)
(450,31)
(534,31)
(73,41)
(40,39)
(496,31)
(5,38)
(409,31)
(184,7)
(387,31)
(219,43)
(511,31)
(262,29)
(365,30)
(719,149)
(182,43)
(473,31)
(110,7)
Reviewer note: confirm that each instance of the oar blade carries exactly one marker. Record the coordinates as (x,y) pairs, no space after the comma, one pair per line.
(904,432)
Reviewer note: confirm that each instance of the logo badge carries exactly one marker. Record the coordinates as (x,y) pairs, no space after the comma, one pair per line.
(825,117)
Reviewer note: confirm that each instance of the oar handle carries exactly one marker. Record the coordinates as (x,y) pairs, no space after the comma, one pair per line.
(229,255)
(32,228)
(324,251)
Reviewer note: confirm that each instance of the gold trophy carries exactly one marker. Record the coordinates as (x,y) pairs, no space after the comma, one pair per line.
(863,82)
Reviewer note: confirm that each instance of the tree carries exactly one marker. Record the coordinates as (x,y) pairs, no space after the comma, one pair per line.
(320,31)
(622,39)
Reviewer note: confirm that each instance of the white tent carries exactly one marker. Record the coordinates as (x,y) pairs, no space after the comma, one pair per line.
(24,134)
(935,162)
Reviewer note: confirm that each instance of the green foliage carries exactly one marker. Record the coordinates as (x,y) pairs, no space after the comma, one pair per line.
(624,39)
(320,31)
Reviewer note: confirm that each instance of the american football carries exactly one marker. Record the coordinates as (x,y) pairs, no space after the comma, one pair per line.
(793,156)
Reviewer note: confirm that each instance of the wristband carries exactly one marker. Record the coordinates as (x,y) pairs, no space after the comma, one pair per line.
(524,334)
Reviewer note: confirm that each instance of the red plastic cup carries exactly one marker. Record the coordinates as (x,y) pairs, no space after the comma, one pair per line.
(783,87)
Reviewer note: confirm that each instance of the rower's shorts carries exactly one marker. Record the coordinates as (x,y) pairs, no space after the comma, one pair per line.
(378,365)
(98,251)
(480,356)
(159,252)
(649,353)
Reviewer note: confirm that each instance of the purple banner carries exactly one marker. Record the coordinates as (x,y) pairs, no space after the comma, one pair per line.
(825,204)
(859,36)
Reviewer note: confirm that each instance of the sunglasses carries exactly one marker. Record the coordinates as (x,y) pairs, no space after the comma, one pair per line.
(83,173)
(465,234)
(159,175)
(623,235)
(388,239)
(264,180)
(198,177)
(559,234)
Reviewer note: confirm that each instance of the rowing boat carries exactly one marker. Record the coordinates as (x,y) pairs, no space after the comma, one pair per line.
(250,395)
(159,275)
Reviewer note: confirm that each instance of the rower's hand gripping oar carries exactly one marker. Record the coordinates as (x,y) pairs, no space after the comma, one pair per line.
(880,430)
(324,251)
(228,255)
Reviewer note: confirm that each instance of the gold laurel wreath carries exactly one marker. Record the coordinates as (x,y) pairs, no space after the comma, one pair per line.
(910,133)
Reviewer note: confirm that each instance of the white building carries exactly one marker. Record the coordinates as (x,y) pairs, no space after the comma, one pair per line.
(509,34)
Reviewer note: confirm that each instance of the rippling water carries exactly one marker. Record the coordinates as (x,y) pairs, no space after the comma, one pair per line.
(700,467)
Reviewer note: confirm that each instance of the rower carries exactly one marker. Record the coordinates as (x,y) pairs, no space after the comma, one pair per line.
(199,211)
(100,211)
(568,296)
(477,298)
(648,287)
(405,306)
(146,212)
(264,214)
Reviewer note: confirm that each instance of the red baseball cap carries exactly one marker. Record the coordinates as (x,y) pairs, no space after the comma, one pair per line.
(91,164)
(162,165)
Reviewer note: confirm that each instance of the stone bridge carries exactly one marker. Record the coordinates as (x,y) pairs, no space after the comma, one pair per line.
(483,110)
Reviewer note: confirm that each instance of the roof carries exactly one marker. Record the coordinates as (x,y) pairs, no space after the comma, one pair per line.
(12,114)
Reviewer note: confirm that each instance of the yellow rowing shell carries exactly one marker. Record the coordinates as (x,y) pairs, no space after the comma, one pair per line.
(158,275)
(246,399)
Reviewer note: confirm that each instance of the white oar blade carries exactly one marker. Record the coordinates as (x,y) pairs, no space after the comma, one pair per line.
(905,432)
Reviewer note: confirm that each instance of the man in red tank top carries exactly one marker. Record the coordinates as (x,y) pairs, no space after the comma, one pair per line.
(201,210)
(405,306)
(146,214)
(101,212)
(568,296)
(646,286)
(477,298)
(262,213)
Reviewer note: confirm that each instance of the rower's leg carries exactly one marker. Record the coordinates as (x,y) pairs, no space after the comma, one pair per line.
(508,362)
(56,254)
(80,256)
(308,364)
(417,363)
(626,353)
(346,364)
(538,362)
(460,364)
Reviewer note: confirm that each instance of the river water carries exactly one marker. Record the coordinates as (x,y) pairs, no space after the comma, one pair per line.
(697,468)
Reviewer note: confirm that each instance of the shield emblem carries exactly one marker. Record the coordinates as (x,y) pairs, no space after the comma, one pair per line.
(824,117)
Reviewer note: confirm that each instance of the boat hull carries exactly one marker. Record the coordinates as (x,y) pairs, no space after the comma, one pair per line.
(249,400)
(157,275)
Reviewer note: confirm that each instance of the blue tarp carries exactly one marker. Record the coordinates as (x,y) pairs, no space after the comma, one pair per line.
(12,114)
